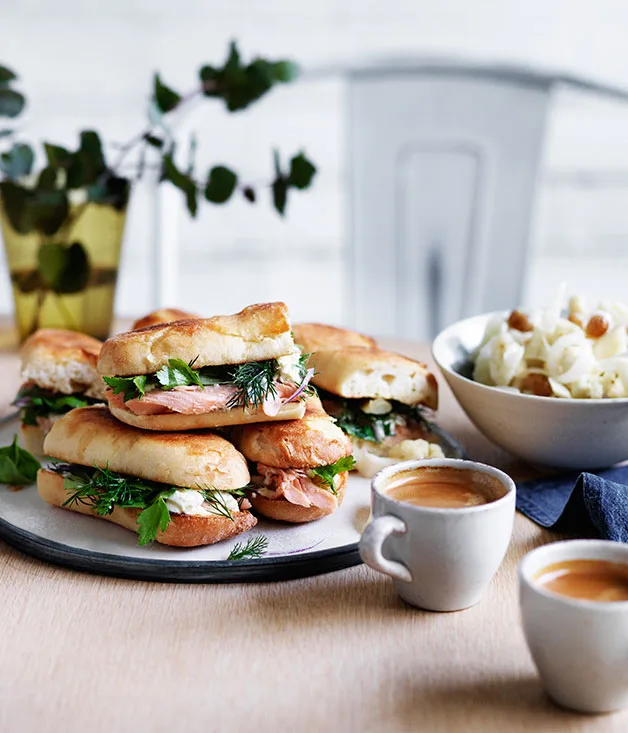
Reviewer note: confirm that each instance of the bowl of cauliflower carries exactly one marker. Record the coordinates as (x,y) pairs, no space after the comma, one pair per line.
(549,385)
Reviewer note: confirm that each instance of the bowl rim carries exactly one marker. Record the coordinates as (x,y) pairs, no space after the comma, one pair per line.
(491,389)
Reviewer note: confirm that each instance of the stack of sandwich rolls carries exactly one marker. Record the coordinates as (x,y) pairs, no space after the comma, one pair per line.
(183,429)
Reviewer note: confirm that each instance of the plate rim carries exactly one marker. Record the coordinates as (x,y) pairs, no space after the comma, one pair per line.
(264,569)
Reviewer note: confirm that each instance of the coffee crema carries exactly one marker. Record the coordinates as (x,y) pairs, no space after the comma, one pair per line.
(443,487)
(589,580)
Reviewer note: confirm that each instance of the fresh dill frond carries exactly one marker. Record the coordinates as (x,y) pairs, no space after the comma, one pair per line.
(104,489)
(254,547)
(217,501)
(254,382)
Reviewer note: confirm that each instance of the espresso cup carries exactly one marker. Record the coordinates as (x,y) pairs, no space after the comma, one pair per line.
(441,559)
(580,647)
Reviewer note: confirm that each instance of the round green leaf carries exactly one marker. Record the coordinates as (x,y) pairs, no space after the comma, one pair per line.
(221,184)
(64,269)
(165,98)
(52,258)
(6,75)
(18,162)
(301,171)
(11,103)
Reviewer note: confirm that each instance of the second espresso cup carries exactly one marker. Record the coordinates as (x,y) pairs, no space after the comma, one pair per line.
(440,557)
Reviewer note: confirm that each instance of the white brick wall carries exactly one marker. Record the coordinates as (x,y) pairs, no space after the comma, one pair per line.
(84,63)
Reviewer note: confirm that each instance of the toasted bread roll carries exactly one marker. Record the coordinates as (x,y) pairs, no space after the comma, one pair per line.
(32,439)
(355,372)
(257,333)
(183,530)
(174,421)
(92,436)
(284,511)
(62,361)
(313,337)
(162,315)
(313,441)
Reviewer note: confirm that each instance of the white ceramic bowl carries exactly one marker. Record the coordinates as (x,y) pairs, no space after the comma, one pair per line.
(549,431)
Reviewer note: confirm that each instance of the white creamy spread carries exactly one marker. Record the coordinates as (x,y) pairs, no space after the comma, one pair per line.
(289,368)
(192,502)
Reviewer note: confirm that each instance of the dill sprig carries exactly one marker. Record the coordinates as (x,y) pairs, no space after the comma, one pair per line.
(217,501)
(253,548)
(103,490)
(254,382)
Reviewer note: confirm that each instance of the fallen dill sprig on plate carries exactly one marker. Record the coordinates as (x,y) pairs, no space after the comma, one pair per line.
(254,547)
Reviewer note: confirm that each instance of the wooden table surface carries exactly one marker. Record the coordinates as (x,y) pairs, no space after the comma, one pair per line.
(338,652)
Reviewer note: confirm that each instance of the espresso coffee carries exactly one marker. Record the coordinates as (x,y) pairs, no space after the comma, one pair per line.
(590,580)
(444,487)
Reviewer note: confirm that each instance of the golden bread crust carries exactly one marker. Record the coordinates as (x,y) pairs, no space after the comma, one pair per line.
(182,531)
(284,511)
(174,421)
(315,336)
(92,436)
(32,439)
(313,441)
(63,361)
(162,315)
(357,373)
(257,333)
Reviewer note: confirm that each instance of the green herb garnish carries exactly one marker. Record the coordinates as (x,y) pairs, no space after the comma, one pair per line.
(217,501)
(153,519)
(327,474)
(17,466)
(254,547)
(103,490)
(352,420)
(130,387)
(36,402)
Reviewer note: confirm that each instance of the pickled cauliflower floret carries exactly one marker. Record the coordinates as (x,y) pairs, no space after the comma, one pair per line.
(416,450)
(501,359)
(371,458)
(580,353)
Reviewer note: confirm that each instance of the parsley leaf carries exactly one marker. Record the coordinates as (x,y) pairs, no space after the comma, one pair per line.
(131,387)
(153,519)
(17,466)
(177,374)
(327,474)
(254,547)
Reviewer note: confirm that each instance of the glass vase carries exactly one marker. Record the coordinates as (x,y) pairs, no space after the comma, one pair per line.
(67,279)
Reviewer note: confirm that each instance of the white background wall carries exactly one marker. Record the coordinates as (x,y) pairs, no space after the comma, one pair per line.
(85,63)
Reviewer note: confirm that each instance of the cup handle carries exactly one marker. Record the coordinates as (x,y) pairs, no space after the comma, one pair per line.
(371,547)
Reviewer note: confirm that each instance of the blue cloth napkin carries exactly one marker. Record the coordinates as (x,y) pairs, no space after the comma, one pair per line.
(585,504)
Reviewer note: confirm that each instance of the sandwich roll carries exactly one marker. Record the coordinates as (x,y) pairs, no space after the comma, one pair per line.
(183,489)
(203,373)
(59,373)
(376,396)
(301,466)
(358,373)
(62,361)
(162,315)
(313,337)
